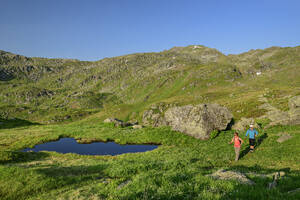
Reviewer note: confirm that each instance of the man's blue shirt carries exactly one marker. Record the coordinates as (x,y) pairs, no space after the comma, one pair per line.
(251,133)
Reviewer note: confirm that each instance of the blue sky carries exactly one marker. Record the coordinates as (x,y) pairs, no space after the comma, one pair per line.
(94,29)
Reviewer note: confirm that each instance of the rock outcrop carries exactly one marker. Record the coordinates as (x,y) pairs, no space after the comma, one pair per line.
(231,175)
(243,124)
(279,117)
(283,137)
(155,115)
(197,121)
(122,124)
(5,75)
(117,122)
(294,112)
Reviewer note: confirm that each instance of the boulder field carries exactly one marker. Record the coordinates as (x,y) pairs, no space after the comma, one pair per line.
(199,121)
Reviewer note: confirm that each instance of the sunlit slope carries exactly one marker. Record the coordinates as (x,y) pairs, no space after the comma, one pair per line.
(53,90)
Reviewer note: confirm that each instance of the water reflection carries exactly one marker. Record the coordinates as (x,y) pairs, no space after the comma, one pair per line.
(70,145)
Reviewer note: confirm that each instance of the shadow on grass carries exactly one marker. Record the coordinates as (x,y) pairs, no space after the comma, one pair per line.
(14,123)
(81,172)
(47,178)
(258,143)
(17,157)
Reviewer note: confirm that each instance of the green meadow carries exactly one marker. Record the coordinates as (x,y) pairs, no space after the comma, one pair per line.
(177,169)
(43,100)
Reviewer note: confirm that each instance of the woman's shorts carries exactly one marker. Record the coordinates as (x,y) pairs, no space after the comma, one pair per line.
(251,142)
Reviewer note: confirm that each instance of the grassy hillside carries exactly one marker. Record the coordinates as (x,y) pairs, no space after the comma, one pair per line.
(46,99)
(54,90)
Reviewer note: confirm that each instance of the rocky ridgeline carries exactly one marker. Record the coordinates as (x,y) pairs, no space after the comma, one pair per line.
(197,121)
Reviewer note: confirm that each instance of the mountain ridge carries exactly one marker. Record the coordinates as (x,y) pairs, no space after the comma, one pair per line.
(175,47)
(69,89)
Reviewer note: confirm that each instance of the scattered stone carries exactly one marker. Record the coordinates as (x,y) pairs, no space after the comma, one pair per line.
(231,175)
(282,173)
(109,120)
(105,180)
(283,137)
(117,122)
(294,111)
(294,102)
(134,122)
(279,117)
(259,175)
(67,117)
(294,191)
(276,177)
(137,126)
(124,184)
(243,124)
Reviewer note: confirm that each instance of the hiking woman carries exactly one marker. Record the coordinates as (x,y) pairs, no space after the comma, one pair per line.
(237,145)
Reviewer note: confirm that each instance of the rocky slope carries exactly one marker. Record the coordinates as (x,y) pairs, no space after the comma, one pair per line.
(53,90)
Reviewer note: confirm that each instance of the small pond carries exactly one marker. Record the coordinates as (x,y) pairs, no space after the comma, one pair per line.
(70,145)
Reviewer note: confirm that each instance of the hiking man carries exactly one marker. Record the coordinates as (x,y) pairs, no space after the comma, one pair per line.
(252,134)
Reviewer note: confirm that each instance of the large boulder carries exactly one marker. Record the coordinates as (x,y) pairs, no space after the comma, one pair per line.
(198,121)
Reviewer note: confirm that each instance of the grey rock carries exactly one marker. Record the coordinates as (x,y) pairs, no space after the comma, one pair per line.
(283,137)
(109,120)
(276,177)
(155,115)
(272,184)
(294,191)
(294,102)
(243,124)
(117,122)
(137,126)
(124,184)
(231,175)
(5,75)
(198,121)
(133,122)
(259,175)
(278,117)
(294,112)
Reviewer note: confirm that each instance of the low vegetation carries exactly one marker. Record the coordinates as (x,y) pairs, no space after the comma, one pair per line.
(175,170)
(43,100)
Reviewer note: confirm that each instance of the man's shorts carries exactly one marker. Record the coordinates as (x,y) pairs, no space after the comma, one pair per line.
(251,142)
